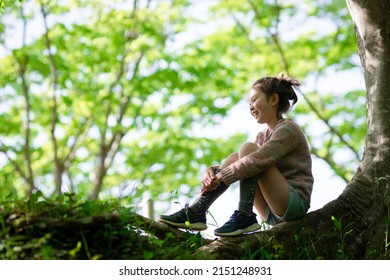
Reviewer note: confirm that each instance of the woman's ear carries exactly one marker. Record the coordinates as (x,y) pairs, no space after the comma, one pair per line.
(275,99)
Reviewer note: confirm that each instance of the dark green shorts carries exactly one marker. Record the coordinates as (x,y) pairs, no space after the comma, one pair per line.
(297,207)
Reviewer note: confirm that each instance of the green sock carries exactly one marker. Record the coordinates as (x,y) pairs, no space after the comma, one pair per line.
(247,194)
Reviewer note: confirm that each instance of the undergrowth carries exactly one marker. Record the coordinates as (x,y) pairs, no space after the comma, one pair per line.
(58,235)
(66,227)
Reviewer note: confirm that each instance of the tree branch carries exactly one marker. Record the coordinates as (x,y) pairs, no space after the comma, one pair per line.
(110,149)
(15,164)
(22,63)
(331,163)
(59,167)
(81,134)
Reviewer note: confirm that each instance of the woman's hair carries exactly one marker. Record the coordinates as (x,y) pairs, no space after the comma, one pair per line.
(283,87)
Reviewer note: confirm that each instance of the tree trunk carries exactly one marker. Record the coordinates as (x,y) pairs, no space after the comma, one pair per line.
(355,225)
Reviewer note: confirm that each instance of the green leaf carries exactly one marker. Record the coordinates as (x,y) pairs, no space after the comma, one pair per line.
(337,224)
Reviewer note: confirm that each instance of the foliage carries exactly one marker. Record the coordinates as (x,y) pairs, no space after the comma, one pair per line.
(90,108)
(311,247)
(70,228)
(3,3)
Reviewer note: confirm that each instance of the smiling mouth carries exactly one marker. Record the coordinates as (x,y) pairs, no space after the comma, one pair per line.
(255,114)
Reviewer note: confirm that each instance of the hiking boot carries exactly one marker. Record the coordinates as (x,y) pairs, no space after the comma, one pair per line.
(239,223)
(185,218)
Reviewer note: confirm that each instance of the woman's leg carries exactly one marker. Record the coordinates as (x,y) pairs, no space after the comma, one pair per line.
(273,189)
(229,160)
(196,213)
(243,220)
(203,203)
(248,186)
(260,204)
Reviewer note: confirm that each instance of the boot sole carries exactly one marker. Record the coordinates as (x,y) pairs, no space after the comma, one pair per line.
(238,232)
(193,226)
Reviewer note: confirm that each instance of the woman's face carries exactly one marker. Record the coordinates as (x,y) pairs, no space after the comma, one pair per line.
(263,109)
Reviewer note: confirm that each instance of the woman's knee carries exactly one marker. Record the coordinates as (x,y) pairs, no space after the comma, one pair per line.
(247,148)
(229,160)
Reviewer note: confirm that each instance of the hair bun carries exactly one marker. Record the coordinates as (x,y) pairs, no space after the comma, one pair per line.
(293,81)
(281,76)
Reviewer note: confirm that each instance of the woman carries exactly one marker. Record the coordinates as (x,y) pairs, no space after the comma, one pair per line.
(274,172)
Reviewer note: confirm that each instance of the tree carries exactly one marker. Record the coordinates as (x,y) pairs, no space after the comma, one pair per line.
(95,102)
(355,225)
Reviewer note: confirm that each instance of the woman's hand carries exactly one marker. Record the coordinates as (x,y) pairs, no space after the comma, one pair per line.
(208,176)
(210,181)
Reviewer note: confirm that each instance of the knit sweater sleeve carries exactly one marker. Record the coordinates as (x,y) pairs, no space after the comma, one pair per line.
(284,139)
